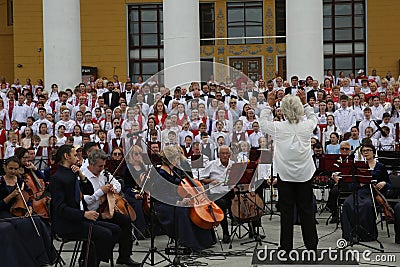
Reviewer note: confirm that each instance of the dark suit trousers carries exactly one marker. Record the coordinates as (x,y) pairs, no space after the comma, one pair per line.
(104,235)
(297,194)
(125,239)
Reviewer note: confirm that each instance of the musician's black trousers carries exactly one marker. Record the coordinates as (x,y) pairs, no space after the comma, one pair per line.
(224,203)
(104,236)
(397,223)
(125,239)
(297,194)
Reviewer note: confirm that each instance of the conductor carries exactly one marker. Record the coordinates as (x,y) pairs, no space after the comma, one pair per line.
(294,165)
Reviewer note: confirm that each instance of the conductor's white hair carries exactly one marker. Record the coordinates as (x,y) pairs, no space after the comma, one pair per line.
(292,108)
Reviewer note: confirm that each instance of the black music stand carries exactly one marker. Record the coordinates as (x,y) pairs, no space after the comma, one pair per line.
(41,162)
(197,162)
(151,159)
(264,156)
(357,172)
(391,160)
(240,174)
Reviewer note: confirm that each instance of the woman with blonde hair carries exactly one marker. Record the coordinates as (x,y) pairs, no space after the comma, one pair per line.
(173,211)
(134,176)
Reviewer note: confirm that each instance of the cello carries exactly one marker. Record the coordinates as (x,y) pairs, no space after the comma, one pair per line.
(204,213)
(40,200)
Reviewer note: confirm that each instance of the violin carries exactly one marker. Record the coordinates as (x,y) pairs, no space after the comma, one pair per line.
(117,201)
(204,213)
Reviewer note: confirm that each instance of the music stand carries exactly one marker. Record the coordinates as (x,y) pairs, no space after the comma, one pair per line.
(261,156)
(357,172)
(239,176)
(151,159)
(391,160)
(197,162)
(38,161)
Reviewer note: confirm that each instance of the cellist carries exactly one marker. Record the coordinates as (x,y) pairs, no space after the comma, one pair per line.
(31,249)
(174,218)
(102,185)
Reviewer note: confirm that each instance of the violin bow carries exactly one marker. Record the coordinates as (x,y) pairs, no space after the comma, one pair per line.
(27,208)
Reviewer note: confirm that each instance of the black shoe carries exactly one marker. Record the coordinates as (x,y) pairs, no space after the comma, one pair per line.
(226,239)
(128,262)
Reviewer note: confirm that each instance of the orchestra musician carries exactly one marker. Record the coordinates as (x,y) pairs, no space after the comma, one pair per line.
(133,174)
(366,213)
(102,185)
(293,164)
(70,216)
(173,217)
(344,149)
(213,174)
(24,246)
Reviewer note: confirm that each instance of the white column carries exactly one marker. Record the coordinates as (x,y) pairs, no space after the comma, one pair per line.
(181,41)
(304,39)
(62,43)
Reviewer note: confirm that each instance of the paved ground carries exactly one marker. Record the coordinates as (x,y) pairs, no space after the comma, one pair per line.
(241,255)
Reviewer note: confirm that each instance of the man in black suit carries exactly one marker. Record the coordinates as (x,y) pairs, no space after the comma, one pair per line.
(70,217)
(314,90)
(206,95)
(111,98)
(148,96)
(129,93)
(292,89)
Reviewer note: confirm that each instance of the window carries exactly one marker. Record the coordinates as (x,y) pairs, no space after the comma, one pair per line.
(245,19)
(145,40)
(280,20)
(10,13)
(207,23)
(344,35)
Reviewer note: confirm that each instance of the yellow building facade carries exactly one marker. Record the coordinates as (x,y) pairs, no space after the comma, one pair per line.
(104,33)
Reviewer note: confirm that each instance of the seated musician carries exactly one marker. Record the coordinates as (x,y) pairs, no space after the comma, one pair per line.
(366,213)
(214,173)
(174,218)
(27,166)
(102,184)
(70,217)
(135,173)
(26,247)
(345,149)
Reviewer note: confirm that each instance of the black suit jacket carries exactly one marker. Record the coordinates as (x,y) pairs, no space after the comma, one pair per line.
(149,100)
(311,93)
(114,99)
(248,94)
(167,98)
(232,97)
(66,214)
(123,95)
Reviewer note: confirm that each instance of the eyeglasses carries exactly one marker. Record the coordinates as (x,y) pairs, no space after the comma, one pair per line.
(232,102)
(117,154)
(366,150)
(344,148)
(136,154)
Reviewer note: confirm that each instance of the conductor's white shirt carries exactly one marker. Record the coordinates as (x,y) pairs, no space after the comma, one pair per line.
(292,158)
